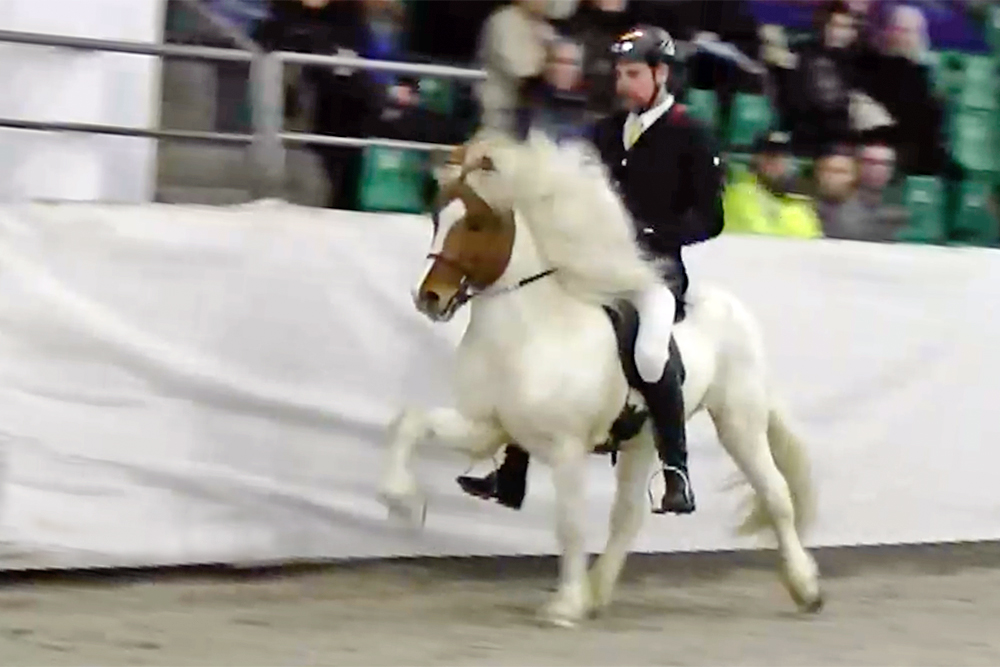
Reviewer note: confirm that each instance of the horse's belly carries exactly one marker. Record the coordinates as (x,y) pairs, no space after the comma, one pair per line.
(552,396)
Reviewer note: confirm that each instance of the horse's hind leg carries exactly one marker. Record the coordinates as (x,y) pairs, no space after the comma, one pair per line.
(741,423)
(634,463)
(450,429)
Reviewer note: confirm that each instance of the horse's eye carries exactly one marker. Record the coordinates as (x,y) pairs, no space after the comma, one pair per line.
(474,225)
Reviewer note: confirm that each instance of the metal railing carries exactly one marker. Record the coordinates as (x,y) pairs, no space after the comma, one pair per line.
(269,137)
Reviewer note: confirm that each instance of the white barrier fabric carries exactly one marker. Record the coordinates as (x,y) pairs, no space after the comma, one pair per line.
(184,384)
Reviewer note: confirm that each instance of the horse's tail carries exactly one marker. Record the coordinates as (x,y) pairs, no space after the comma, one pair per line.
(793,462)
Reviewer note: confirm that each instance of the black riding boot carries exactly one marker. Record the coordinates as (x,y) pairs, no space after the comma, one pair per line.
(665,401)
(507,484)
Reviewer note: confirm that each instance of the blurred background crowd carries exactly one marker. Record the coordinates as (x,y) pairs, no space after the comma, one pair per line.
(871,120)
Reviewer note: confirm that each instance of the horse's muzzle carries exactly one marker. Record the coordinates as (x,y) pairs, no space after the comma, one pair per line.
(430,304)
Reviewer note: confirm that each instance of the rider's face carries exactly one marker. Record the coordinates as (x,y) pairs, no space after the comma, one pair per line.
(636,82)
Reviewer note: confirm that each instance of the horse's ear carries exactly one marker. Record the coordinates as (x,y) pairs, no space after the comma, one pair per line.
(483,163)
(457,155)
(447,166)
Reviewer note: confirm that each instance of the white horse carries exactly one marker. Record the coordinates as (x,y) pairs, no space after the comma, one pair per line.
(535,240)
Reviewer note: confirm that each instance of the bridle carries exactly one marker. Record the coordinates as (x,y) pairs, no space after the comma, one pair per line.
(468,289)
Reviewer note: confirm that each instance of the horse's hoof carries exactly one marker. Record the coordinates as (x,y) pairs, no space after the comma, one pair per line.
(815,605)
(557,621)
(809,601)
(562,613)
(811,605)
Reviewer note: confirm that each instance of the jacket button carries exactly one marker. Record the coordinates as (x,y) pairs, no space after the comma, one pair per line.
(624,161)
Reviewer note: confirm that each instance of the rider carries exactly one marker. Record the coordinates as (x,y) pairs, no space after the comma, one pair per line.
(669,175)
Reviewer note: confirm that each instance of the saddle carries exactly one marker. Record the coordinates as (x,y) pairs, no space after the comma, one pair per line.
(625,320)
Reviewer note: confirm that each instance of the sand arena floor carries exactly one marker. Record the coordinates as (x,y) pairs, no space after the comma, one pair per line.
(927,606)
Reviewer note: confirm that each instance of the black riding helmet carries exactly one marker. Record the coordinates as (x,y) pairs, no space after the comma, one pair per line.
(653,46)
(647,44)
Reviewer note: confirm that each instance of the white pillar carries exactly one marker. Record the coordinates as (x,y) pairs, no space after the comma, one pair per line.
(67,85)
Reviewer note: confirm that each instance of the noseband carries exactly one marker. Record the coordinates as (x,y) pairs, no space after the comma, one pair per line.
(466,290)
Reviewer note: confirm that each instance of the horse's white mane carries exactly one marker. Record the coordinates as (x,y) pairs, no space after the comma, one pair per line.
(564,195)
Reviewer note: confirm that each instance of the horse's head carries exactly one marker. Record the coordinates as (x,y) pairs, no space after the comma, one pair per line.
(472,241)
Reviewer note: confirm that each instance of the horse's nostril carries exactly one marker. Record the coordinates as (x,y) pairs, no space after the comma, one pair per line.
(430,298)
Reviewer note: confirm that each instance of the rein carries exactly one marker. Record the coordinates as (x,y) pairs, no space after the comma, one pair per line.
(523,282)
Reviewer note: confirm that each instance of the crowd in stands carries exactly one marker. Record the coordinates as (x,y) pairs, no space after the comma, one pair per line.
(853,126)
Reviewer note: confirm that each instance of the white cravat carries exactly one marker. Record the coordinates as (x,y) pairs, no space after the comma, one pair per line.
(636,124)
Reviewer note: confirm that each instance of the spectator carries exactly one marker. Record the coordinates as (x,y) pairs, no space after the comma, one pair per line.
(762,202)
(555,102)
(343,96)
(596,25)
(512,48)
(728,21)
(863,11)
(876,172)
(896,78)
(820,99)
(851,210)
(402,116)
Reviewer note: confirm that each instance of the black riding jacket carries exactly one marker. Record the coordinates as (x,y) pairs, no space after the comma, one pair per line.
(671,180)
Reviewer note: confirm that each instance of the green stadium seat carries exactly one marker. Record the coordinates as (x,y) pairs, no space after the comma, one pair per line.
(437,95)
(992,28)
(974,223)
(947,72)
(924,198)
(393,180)
(704,106)
(750,115)
(979,85)
(974,139)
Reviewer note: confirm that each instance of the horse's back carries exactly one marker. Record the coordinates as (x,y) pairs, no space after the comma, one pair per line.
(718,336)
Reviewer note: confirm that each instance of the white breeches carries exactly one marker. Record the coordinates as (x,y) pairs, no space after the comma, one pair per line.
(656,308)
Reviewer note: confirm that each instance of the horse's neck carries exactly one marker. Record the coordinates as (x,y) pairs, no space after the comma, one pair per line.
(508,317)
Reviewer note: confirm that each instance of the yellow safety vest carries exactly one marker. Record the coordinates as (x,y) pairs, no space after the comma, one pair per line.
(751,209)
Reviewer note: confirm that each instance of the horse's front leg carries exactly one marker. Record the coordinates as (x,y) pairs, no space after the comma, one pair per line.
(573,600)
(446,427)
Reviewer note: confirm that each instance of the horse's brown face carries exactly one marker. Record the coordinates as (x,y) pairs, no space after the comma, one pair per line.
(471,248)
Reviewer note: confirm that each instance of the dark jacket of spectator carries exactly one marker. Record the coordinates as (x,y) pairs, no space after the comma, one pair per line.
(903,88)
(819,100)
(597,29)
(404,117)
(731,21)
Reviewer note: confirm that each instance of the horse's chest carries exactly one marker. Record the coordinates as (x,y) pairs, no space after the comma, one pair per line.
(541,386)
